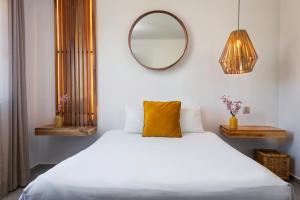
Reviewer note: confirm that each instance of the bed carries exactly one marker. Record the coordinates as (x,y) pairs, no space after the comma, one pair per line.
(127,166)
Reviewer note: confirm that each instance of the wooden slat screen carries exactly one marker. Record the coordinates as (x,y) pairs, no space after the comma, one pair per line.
(76,60)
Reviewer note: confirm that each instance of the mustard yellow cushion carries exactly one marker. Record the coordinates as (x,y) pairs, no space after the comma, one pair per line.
(161,119)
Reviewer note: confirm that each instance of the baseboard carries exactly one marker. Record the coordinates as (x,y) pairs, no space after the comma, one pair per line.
(295,178)
(38,166)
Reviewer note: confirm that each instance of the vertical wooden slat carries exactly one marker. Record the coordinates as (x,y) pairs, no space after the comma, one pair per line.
(72,91)
(90,86)
(66,70)
(63,71)
(61,47)
(70,66)
(82,64)
(67,64)
(75,63)
(94,69)
(56,29)
(74,68)
(86,63)
(57,61)
(92,61)
(87,53)
(71,60)
(78,64)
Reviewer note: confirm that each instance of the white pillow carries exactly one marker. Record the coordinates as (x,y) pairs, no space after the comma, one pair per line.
(134,121)
(190,119)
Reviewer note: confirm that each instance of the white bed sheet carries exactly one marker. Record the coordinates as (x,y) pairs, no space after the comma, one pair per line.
(126,166)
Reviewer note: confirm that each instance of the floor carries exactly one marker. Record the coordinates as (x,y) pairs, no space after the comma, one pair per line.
(297,189)
(35,172)
(43,168)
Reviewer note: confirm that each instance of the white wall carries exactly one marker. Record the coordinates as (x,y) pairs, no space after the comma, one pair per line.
(289,92)
(196,79)
(40,70)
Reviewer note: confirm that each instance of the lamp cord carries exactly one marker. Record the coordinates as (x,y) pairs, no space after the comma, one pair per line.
(239,9)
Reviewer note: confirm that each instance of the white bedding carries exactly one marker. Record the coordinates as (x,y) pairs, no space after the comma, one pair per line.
(126,166)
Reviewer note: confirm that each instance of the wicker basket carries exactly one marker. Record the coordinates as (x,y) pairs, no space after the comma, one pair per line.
(279,163)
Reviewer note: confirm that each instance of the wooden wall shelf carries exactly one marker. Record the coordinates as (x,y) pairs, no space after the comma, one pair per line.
(254,132)
(51,130)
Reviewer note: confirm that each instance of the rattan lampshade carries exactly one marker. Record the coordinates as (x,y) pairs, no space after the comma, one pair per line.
(239,55)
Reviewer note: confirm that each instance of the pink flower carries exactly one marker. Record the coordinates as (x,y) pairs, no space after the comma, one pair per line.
(63,99)
(232,106)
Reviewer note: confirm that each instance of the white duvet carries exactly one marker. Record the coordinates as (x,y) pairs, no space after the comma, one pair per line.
(126,166)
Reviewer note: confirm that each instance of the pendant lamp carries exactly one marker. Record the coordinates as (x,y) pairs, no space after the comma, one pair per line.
(239,55)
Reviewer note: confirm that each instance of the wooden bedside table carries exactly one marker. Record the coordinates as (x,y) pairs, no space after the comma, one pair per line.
(254,132)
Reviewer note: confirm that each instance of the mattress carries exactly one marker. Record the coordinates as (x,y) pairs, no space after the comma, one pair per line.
(127,166)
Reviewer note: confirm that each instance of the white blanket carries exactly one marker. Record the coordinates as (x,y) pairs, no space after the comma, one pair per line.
(126,166)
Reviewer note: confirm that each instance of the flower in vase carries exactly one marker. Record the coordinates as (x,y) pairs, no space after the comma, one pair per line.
(232,106)
(63,99)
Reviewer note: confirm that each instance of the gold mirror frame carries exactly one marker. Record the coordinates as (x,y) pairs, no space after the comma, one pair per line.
(162,12)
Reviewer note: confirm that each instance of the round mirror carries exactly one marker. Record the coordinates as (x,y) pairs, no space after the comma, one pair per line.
(158,40)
